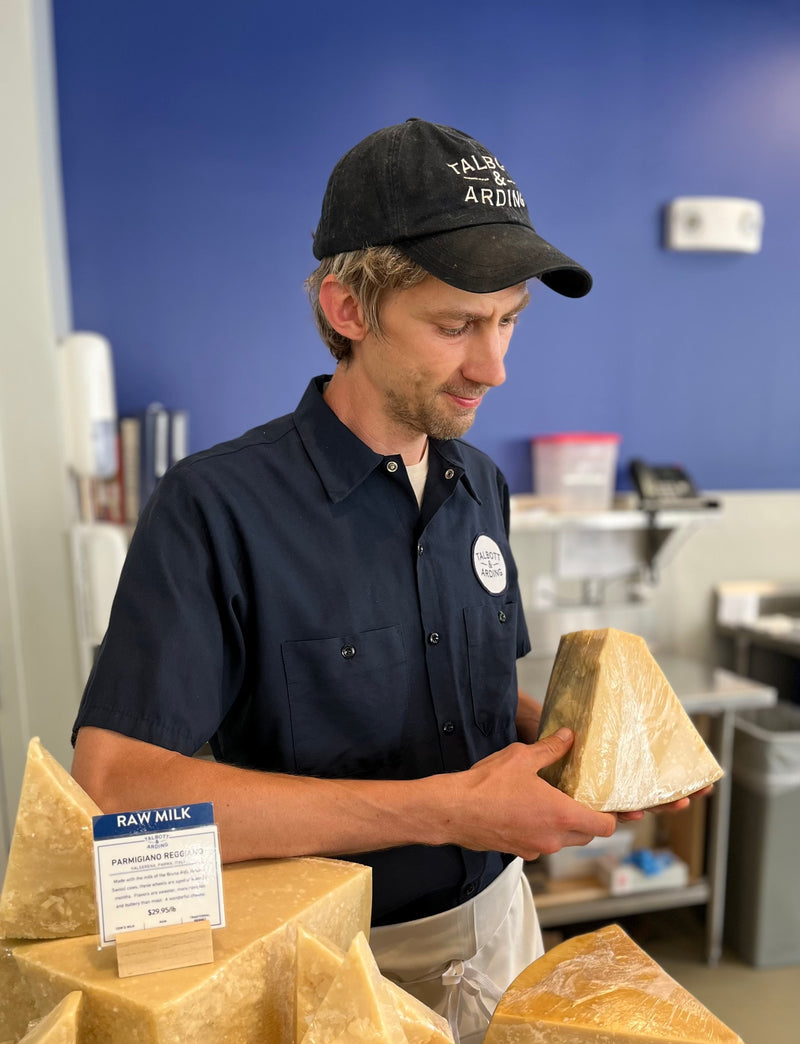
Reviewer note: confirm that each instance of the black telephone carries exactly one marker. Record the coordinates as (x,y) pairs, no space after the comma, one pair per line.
(666,487)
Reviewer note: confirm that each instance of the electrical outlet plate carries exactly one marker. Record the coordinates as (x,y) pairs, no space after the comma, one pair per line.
(714,223)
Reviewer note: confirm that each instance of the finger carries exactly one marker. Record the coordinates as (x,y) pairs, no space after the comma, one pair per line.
(671,806)
(553,747)
(586,823)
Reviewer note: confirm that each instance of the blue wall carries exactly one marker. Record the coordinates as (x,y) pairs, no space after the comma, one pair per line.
(197,137)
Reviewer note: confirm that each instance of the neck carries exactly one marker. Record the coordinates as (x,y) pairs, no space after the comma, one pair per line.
(354,404)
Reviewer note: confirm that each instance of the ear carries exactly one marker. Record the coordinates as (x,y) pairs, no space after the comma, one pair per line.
(341,309)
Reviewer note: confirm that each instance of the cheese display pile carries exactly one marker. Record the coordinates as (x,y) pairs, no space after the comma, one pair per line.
(635,746)
(601,987)
(67,989)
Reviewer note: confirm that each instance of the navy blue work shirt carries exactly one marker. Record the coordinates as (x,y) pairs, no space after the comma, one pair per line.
(286,600)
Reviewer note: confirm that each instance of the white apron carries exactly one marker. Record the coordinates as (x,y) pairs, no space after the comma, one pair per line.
(461,961)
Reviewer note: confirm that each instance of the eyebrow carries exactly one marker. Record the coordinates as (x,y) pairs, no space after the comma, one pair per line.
(460,315)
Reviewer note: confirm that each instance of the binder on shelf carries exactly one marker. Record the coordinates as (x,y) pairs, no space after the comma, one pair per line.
(130,438)
(155,449)
(178,435)
(148,443)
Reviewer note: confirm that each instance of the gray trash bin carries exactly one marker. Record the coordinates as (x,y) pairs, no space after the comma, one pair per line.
(762,919)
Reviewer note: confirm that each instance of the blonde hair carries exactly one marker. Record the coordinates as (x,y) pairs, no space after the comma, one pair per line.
(369,273)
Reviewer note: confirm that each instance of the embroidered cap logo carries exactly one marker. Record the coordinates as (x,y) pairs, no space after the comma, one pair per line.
(490,184)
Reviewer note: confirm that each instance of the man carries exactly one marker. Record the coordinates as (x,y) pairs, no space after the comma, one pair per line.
(331,601)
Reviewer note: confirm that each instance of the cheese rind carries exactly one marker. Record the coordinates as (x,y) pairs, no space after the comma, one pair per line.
(317,964)
(60,1026)
(245,996)
(48,892)
(357,1009)
(635,746)
(601,987)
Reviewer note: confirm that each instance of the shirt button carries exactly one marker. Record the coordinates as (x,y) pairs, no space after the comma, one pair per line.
(470,890)
(448,727)
(501,616)
(391,466)
(420,549)
(433,638)
(348,651)
(449,473)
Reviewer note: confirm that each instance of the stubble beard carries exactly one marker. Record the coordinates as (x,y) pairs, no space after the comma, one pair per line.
(430,416)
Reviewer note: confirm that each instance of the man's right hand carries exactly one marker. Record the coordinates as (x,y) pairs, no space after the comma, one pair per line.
(510,808)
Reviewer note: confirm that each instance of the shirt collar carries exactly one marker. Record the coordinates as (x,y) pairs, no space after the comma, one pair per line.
(340,458)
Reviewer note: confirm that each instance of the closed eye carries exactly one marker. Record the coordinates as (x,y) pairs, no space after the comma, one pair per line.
(455,331)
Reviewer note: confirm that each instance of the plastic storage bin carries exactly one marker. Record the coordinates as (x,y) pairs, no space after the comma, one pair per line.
(575,471)
(762,919)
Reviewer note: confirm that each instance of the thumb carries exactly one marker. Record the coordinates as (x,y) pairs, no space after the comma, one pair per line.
(551,748)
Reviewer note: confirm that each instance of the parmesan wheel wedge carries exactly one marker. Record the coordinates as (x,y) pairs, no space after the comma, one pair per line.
(635,746)
(60,1026)
(357,1008)
(17,1005)
(48,892)
(317,963)
(602,988)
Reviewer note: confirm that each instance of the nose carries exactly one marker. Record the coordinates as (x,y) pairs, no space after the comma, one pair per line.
(484,364)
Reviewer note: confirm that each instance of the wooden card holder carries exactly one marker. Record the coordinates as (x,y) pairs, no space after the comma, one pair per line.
(165,947)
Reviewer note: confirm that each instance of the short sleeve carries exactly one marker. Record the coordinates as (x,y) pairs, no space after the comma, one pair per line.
(172,660)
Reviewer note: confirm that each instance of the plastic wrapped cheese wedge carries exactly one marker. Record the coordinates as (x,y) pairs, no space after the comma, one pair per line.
(635,746)
(602,987)
(48,892)
(245,996)
(60,1026)
(358,1006)
(317,964)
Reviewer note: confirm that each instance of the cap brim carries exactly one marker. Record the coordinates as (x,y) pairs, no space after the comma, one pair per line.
(485,258)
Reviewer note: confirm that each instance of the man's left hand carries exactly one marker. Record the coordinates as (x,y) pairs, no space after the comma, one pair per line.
(671,806)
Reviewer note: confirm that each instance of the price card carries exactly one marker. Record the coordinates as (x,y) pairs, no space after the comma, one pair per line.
(157,866)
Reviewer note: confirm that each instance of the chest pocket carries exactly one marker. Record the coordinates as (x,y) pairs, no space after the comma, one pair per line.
(492,650)
(348,699)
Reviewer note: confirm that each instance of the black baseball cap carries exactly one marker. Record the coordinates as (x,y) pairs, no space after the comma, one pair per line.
(448,203)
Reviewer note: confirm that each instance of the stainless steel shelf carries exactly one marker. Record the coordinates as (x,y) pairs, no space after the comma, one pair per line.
(544,520)
(642,537)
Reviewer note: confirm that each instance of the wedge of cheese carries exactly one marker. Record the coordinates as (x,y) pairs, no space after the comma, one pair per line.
(60,1026)
(17,1006)
(602,987)
(48,892)
(635,746)
(358,1008)
(245,996)
(318,961)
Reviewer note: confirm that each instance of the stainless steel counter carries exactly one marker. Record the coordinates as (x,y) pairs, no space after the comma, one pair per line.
(702,689)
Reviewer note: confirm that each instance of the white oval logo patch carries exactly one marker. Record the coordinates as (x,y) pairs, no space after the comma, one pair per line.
(489,565)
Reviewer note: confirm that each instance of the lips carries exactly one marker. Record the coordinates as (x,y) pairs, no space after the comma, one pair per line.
(467,399)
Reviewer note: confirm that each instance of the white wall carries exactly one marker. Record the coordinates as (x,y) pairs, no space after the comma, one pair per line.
(39,674)
(757,538)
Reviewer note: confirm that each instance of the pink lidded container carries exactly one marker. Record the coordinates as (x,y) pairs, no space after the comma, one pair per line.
(575,471)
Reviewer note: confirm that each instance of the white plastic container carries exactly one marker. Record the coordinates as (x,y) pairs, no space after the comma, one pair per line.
(575,471)
(583,860)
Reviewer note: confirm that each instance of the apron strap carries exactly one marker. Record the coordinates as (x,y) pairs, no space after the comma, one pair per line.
(460,976)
